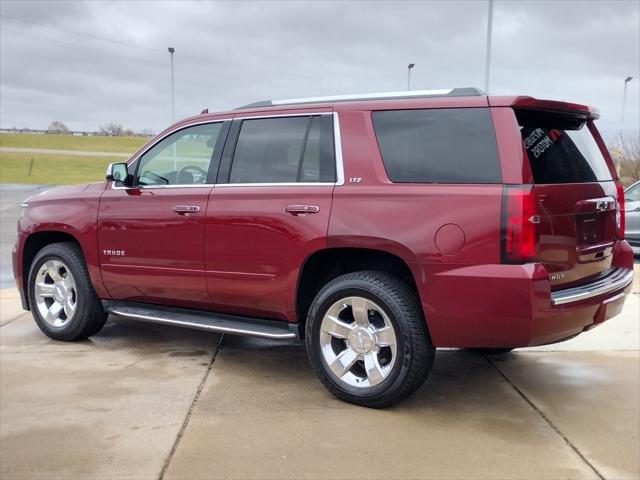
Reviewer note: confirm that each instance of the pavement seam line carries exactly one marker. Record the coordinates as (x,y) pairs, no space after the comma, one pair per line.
(196,397)
(546,419)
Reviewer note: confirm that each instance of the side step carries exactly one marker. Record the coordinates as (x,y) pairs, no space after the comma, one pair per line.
(208,321)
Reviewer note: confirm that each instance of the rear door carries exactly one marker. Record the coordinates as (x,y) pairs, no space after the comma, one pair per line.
(575,193)
(268,211)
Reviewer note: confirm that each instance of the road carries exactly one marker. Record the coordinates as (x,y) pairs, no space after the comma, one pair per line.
(11,195)
(85,153)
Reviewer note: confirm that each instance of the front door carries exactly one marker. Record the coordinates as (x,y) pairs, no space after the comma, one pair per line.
(268,212)
(151,235)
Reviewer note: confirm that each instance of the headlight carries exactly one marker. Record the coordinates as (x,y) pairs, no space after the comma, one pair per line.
(23,208)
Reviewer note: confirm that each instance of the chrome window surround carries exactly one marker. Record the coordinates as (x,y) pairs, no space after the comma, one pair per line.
(618,279)
(337,147)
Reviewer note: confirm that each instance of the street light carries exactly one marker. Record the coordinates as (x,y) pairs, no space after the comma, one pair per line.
(173,102)
(173,109)
(487,64)
(624,104)
(411,65)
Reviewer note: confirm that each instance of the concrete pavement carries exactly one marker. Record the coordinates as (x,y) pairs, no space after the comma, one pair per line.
(142,401)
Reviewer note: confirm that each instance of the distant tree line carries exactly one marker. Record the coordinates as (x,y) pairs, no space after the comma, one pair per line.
(111,129)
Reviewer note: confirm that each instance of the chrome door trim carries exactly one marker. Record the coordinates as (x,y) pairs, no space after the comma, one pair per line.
(337,140)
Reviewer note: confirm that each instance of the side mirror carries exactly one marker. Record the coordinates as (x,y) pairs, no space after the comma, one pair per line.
(117,172)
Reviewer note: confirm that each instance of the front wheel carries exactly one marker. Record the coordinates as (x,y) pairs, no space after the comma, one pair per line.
(62,299)
(367,340)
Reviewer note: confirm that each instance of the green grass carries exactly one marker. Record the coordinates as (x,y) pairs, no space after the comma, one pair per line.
(52,169)
(72,142)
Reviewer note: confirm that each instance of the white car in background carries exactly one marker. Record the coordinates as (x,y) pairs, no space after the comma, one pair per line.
(632,216)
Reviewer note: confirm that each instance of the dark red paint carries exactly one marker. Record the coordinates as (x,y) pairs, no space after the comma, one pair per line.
(242,252)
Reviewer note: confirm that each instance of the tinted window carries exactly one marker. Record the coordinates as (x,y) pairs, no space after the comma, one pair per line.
(454,145)
(561,149)
(182,158)
(284,150)
(318,162)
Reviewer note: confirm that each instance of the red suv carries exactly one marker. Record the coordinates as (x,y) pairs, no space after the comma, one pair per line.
(375,227)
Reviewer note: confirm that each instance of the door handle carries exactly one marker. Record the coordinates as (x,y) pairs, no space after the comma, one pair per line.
(302,209)
(186,209)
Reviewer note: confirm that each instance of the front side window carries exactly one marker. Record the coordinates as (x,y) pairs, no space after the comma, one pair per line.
(182,158)
(284,150)
(446,145)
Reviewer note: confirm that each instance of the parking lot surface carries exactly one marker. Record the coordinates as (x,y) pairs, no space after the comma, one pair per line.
(140,401)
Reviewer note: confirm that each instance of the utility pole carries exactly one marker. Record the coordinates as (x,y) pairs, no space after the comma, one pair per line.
(173,101)
(411,65)
(487,65)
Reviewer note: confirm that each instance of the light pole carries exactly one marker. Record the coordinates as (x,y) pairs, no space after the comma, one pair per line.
(411,65)
(487,64)
(173,101)
(624,105)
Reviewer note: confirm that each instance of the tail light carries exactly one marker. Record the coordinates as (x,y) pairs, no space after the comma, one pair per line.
(520,221)
(620,211)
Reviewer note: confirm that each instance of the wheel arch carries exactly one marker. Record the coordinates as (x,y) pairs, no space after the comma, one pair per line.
(324,265)
(35,242)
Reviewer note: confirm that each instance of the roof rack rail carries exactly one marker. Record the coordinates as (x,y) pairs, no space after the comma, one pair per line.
(446,92)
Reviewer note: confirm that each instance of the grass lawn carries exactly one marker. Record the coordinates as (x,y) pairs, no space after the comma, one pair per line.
(72,142)
(52,169)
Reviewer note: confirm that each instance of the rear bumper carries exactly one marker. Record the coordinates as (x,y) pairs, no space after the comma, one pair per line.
(493,306)
(618,279)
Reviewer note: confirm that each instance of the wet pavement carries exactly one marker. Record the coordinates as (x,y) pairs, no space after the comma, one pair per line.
(11,195)
(142,401)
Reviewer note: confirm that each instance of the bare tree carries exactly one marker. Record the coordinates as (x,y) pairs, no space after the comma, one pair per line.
(58,127)
(627,158)
(112,129)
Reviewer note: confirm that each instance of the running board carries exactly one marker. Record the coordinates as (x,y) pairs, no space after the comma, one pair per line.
(208,321)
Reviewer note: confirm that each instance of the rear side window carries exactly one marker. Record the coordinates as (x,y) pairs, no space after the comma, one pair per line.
(284,150)
(561,149)
(451,145)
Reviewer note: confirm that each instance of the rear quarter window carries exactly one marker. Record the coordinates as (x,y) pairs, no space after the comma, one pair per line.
(451,145)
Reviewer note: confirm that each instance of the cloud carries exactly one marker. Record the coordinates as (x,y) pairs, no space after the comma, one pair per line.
(93,62)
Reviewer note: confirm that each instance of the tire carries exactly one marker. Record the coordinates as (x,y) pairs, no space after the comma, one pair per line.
(59,282)
(491,351)
(357,361)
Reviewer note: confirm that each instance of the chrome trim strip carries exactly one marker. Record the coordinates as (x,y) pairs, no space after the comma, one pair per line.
(257,117)
(616,280)
(364,96)
(337,139)
(337,146)
(283,184)
(200,326)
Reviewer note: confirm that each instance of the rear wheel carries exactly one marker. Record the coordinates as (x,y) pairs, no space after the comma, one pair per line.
(367,339)
(62,299)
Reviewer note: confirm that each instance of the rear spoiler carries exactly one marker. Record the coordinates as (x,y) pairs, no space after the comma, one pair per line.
(524,102)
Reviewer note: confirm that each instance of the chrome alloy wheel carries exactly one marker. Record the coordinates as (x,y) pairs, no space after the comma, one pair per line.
(358,342)
(55,293)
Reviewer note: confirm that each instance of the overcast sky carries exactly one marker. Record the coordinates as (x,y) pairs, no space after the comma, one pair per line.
(89,63)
